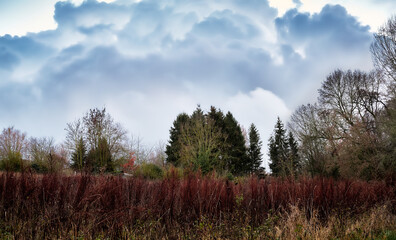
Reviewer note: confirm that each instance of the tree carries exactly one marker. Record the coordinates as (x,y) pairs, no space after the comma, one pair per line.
(317,132)
(174,145)
(237,159)
(208,141)
(293,157)
(13,146)
(201,144)
(39,151)
(79,156)
(97,127)
(353,96)
(254,150)
(100,159)
(278,150)
(383,48)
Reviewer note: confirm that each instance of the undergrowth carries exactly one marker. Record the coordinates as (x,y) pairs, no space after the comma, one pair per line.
(193,207)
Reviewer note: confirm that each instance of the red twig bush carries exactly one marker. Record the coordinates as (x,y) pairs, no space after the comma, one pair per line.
(34,205)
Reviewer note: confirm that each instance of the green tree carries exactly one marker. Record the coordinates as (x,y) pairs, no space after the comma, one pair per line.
(293,157)
(237,159)
(201,144)
(100,159)
(208,141)
(254,152)
(279,150)
(174,145)
(79,156)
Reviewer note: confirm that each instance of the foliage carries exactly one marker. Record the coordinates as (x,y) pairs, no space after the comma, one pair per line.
(208,142)
(13,146)
(79,156)
(254,151)
(174,146)
(100,158)
(130,165)
(149,171)
(103,138)
(283,152)
(237,159)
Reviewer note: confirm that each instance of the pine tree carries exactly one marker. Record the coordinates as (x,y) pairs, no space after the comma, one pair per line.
(294,161)
(104,155)
(79,156)
(254,151)
(173,148)
(237,159)
(100,159)
(217,117)
(278,150)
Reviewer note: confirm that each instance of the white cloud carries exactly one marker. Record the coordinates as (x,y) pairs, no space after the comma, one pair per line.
(148,61)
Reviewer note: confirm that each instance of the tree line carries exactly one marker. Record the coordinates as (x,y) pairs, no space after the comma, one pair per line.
(95,143)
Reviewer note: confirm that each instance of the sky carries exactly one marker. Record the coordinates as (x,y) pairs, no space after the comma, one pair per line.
(147,61)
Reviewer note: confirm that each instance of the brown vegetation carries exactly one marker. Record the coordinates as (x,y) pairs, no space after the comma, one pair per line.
(60,206)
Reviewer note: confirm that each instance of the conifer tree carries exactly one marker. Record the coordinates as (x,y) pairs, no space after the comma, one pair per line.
(173,148)
(278,150)
(294,160)
(254,151)
(79,156)
(100,158)
(238,162)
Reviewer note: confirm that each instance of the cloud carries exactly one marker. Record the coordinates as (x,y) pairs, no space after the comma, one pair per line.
(7,59)
(148,61)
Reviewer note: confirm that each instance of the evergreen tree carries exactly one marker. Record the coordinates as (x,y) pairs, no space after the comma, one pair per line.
(173,148)
(278,150)
(104,155)
(254,151)
(79,156)
(237,159)
(100,159)
(294,160)
(217,116)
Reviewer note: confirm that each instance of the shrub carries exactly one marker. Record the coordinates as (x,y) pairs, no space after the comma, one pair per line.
(149,171)
(12,162)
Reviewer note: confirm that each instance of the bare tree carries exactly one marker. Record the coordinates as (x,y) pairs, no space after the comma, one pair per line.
(383,48)
(13,146)
(46,156)
(95,125)
(353,97)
